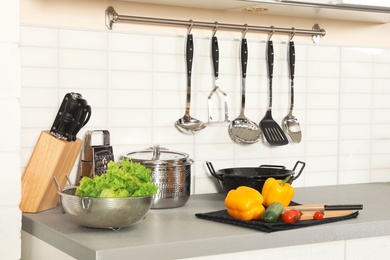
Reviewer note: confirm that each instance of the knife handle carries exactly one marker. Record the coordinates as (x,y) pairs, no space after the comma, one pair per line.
(343,207)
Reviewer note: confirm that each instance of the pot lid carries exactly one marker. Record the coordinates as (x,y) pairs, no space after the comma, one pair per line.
(157,155)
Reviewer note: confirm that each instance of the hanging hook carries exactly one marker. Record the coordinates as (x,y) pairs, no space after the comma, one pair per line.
(245,31)
(191,26)
(271,33)
(215,28)
(292,34)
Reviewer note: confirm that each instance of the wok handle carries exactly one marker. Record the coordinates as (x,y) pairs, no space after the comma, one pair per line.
(273,166)
(211,170)
(294,177)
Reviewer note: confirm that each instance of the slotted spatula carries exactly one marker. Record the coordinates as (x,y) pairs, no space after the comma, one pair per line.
(215,58)
(271,130)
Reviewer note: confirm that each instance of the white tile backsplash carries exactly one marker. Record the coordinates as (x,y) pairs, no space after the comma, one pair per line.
(39,37)
(356,54)
(82,59)
(381,70)
(356,85)
(356,70)
(72,39)
(40,77)
(41,57)
(136,86)
(85,79)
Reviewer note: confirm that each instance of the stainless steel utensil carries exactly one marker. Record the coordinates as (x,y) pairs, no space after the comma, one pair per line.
(290,122)
(188,124)
(94,158)
(242,130)
(271,130)
(215,58)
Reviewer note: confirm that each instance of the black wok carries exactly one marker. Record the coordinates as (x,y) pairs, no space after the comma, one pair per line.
(255,177)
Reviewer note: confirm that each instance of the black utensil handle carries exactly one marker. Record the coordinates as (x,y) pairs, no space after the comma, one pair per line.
(244,56)
(344,207)
(215,55)
(292,59)
(189,53)
(270,58)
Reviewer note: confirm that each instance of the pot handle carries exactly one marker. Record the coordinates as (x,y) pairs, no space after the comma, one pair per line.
(211,170)
(86,203)
(294,177)
(273,166)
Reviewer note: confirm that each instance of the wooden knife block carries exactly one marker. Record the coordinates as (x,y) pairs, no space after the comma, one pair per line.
(51,158)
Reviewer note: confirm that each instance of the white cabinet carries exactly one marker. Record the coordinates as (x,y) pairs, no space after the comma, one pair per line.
(377,11)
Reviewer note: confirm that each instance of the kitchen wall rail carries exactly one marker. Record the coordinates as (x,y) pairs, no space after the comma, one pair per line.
(113,17)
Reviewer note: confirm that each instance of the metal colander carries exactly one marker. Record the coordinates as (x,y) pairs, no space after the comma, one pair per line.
(113,213)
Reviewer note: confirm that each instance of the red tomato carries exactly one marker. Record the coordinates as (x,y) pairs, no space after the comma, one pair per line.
(291,216)
(298,212)
(318,215)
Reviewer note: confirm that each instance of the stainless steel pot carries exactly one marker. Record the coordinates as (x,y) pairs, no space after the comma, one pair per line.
(171,172)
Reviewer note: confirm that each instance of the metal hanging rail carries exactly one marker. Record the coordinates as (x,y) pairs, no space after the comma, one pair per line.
(113,17)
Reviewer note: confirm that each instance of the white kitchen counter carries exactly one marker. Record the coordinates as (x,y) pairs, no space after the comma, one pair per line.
(177,233)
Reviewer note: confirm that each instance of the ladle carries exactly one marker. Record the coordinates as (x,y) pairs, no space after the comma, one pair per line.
(290,122)
(188,124)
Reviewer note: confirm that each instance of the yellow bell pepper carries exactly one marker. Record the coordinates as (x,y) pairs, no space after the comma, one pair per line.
(277,190)
(244,203)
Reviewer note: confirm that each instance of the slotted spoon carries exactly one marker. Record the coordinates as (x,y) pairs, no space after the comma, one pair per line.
(243,130)
(271,130)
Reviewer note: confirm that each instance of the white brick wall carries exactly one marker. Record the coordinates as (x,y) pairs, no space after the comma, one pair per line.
(136,84)
(10,130)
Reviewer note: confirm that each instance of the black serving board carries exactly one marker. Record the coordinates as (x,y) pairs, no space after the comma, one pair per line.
(222,216)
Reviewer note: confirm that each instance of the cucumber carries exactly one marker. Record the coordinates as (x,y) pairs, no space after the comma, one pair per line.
(273,212)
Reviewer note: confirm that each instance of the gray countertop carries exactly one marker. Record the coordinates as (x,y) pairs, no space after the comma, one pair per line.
(177,233)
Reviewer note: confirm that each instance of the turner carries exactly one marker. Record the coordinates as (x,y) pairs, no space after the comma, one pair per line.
(271,130)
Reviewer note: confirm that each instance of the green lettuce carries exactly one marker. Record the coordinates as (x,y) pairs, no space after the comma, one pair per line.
(121,180)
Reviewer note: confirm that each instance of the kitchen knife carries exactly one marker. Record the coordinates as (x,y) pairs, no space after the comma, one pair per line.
(320,207)
(73,114)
